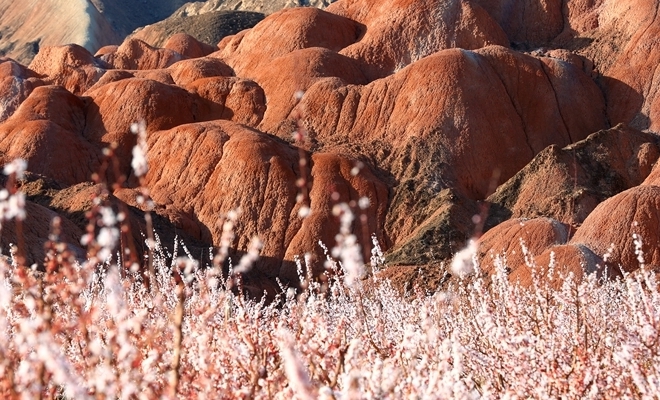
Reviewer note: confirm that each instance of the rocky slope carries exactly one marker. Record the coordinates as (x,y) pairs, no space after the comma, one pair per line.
(433,121)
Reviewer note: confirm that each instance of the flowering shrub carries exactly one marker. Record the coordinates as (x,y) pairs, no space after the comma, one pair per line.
(99,330)
(83,331)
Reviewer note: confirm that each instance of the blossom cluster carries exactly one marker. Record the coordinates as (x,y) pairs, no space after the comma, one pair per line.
(82,331)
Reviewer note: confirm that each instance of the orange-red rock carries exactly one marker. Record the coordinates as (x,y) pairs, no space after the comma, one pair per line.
(47,132)
(395,33)
(425,100)
(231,98)
(510,240)
(522,105)
(573,260)
(136,54)
(70,66)
(288,76)
(284,32)
(208,169)
(187,71)
(654,176)
(528,22)
(188,46)
(16,84)
(611,228)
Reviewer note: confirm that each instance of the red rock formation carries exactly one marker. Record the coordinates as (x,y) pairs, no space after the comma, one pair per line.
(527,22)
(187,71)
(425,100)
(522,116)
(207,169)
(569,259)
(611,228)
(505,242)
(188,46)
(284,32)
(567,184)
(654,176)
(234,99)
(16,84)
(70,66)
(395,33)
(136,54)
(47,132)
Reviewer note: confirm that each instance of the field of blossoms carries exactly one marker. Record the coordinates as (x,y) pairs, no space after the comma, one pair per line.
(177,329)
(91,331)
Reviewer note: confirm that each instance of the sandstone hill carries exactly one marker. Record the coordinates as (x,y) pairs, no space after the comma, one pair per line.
(535,122)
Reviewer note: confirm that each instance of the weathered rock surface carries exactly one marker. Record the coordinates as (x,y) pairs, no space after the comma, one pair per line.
(567,184)
(69,66)
(612,229)
(46,131)
(397,33)
(16,84)
(207,169)
(188,46)
(136,54)
(47,198)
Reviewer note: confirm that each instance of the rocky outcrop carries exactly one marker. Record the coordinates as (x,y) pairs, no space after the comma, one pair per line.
(557,263)
(567,184)
(16,84)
